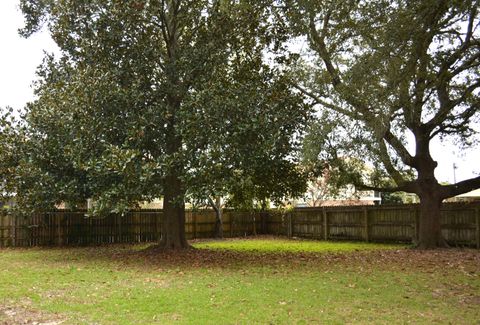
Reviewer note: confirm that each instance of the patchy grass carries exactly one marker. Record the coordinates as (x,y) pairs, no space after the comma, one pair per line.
(240,282)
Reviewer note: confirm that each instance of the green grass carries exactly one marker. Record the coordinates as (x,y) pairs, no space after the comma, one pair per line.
(292,246)
(242,282)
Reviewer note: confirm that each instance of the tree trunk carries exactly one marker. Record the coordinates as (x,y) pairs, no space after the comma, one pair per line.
(173,227)
(430,232)
(217,207)
(219,223)
(429,192)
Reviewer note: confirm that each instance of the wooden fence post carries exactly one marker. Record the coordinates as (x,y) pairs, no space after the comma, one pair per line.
(232,216)
(415,225)
(159,225)
(288,220)
(5,231)
(291,221)
(59,229)
(325,224)
(1,230)
(365,216)
(263,216)
(13,223)
(477,214)
(119,234)
(194,219)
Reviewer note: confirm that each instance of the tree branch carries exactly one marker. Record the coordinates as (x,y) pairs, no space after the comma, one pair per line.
(320,101)
(212,204)
(452,128)
(444,75)
(405,187)
(387,163)
(465,44)
(447,104)
(399,148)
(318,43)
(460,187)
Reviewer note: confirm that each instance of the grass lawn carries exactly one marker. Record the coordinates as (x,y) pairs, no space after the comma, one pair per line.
(243,281)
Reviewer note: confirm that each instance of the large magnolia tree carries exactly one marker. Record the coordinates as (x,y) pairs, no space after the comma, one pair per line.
(150,99)
(396,74)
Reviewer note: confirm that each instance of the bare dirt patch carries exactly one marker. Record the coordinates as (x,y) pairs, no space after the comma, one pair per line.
(14,314)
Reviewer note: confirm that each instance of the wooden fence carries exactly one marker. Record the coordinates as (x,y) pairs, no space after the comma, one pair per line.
(63,227)
(460,225)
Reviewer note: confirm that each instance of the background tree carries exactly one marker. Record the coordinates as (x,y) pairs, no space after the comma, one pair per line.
(326,156)
(246,152)
(142,97)
(405,73)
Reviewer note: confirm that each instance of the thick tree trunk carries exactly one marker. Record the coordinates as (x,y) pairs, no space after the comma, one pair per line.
(430,193)
(430,233)
(173,227)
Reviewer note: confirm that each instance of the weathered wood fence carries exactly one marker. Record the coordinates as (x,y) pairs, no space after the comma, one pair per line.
(460,225)
(64,227)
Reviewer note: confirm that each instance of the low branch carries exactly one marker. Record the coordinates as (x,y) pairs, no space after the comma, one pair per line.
(405,187)
(460,187)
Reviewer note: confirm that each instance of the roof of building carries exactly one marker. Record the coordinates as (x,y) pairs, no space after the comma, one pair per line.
(474,193)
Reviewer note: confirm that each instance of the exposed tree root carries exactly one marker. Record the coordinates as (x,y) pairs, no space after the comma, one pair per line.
(170,245)
(426,245)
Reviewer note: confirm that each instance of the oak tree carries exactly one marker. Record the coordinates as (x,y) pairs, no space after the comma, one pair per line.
(398,74)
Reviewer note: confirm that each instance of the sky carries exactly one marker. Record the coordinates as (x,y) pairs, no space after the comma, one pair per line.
(20,57)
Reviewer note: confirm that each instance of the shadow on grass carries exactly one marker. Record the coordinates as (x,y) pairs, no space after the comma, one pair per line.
(150,257)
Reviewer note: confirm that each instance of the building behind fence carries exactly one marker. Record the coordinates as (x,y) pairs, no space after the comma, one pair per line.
(460,225)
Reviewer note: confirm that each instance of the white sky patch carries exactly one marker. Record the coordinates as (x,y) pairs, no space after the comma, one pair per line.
(467,162)
(19,57)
